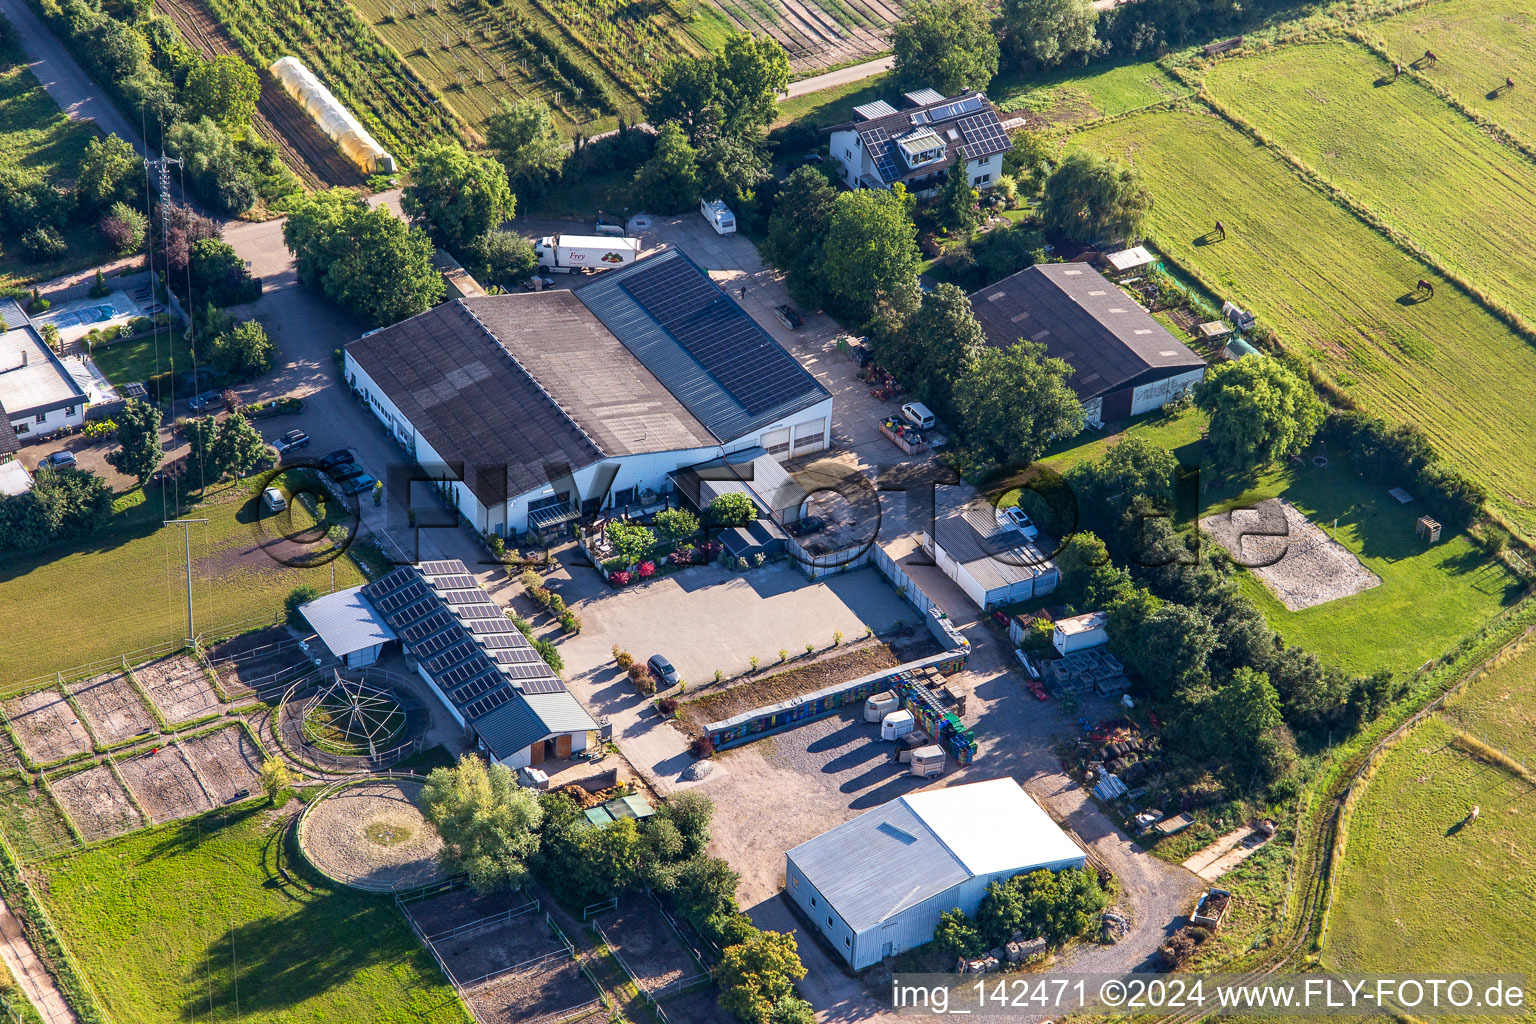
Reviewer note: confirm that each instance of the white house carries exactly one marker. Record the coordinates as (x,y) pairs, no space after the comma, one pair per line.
(1125,363)
(993,562)
(38,395)
(922,143)
(1081,632)
(546,406)
(876,885)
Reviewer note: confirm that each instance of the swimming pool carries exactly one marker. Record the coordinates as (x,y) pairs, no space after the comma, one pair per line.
(81,317)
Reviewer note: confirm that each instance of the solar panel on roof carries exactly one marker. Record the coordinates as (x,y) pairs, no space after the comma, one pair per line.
(526,671)
(430,645)
(390,581)
(983,135)
(464,671)
(513,640)
(433,623)
(542,685)
(400,598)
(419,609)
(479,611)
(964,105)
(480,626)
(477,687)
(443,568)
(715,331)
(463,597)
(490,702)
(463,649)
(455,583)
(517,656)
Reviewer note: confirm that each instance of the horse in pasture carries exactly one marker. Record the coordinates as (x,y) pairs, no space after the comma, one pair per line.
(1426,286)
(1221,229)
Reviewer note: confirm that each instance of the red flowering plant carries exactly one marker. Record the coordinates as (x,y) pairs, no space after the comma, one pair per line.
(620,578)
(647,570)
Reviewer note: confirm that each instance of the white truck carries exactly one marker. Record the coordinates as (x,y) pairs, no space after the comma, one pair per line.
(564,254)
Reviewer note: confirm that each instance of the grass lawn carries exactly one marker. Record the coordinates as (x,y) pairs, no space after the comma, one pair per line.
(1087,93)
(138,360)
(835,105)
(1480,42)
(1402,152)
(124,588)
(37,136)
(32,822)
(218,935)
(1338,293)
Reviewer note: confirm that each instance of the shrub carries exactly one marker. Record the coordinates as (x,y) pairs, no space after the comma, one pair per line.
(549,652)
(754,661)
(676,523)
(732,509)
(667,705)
(631,541)
(99,428)
(623,659)
(296,597)
(646,570)
(641,676)
(41,244)
(570,622)
(701,747)
(556,603)
(681,557)
(530,580)
(619,579)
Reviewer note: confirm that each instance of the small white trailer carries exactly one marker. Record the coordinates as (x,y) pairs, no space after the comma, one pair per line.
(567,253)
(719,216)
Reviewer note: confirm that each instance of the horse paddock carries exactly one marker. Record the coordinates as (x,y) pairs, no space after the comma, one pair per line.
(111,703)
(46,726)
(1305,567)
(372,835)
(165,784)
(178,687)
(649,947)
(227,761)
(559,992)
(96,802)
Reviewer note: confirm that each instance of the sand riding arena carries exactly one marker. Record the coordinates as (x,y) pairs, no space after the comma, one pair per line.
(371,834)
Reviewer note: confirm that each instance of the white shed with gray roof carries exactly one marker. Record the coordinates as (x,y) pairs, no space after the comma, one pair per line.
(988,557)
(348,626)
(876,885)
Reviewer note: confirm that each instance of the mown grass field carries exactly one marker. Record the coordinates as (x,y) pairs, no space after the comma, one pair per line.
(1080,94)
(1401,151)
(124,588)
(137,360)
(1338,293)
(217,934)
(36,135)
(1479,43)
(1464,904)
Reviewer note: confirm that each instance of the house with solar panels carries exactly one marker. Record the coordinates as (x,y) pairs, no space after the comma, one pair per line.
(543,407)
(920,144)
(511,705)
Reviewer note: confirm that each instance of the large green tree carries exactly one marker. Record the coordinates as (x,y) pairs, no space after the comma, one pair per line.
(948,45)
(237,447)
(139,451)
(489,824)
(456,194)
(529,144)
(732,93)
(1043,33)
(1168,648)
(731,168)
(368,260)
(797,231)
(225,90)
(754,975)
(1259,412)
(243,351)
(1091,198)
(871,253)
(1133,468)
(109,172)
(504,258)
(940,345)
(1015,401)
(669,181)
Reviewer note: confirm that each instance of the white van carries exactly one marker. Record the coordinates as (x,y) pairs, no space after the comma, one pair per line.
(919,415)
(274,500)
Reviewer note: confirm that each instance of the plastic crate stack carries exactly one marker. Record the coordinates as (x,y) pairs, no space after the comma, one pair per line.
(946,728)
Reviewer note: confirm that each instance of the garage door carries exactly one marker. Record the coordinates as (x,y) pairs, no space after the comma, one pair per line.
(810,436)
(777,442)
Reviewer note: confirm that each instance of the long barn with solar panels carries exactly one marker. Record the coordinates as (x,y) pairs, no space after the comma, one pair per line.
(920,145)
(542,407)
(487,675)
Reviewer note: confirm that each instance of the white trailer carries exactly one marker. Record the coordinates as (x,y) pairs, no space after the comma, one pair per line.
(567,253)
(719,216)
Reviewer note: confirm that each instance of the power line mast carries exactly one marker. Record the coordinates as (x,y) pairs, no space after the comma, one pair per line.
(186,535)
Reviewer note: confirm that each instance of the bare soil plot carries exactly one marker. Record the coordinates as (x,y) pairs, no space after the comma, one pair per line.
(461,907)
(1295,559)
(544,994)
(647,944)
(374,836)
(524,942)
(165,784)
(46,726)
(257,662)
(700,1006)
(96,802)
(226,760)
(111,703)
(178,687)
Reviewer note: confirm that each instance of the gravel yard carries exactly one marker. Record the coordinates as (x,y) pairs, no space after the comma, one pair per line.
(111,703)
(178,687)
(46,726)
(647,944)
(534,996)
(227,761)
(165,784)
(1308,567)
(96,802)
(373,834)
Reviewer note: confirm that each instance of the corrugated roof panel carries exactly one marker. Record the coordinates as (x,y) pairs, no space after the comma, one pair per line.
(346,622)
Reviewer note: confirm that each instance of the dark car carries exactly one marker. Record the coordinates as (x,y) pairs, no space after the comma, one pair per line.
(58,460)
(339,457)
(348,472)
(806,525)
(662,669)
(206,400)
(359,484)
(292,442)
(788,317)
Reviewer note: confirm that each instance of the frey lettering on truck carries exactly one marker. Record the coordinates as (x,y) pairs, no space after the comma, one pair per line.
(582,253)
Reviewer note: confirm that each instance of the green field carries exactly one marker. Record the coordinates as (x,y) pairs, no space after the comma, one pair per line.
(32,822)
(1338,293)
(138,360)
(1403,153)
(124,588)
(1081,94)
(1465,903)
(1479,43)
(37,136)
(193,921)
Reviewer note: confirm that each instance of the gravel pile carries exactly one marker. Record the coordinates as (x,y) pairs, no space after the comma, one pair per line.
(698,770)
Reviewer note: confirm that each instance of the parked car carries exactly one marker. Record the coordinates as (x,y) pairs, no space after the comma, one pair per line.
(58,460)
(360,484)
(292,442)
(806,525)
(206,401)
(662,669)
(348,472)
(788,317)
(1023,523)
(339,457)
(807,158)
(274,500)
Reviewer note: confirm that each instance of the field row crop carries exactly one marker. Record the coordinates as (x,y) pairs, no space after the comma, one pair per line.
(1339,293)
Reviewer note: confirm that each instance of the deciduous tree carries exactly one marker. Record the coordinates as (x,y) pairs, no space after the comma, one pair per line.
(139,451)
(489,824)
(524,137)
(110,172)
(237,447)
(1091,198)
(871,253)
(243,351)
(456,194)
(948,45)
(1015,401)
(1259,412)
(669,180)
(225,90)
(754,975)
(1043,33)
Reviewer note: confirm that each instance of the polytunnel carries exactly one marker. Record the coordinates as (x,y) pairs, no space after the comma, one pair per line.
(334,119)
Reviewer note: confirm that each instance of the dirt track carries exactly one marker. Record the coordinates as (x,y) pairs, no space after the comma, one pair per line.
(305,149)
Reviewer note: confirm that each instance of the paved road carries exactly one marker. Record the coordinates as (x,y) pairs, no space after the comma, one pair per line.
(29,972)
(71,88)
(843,76)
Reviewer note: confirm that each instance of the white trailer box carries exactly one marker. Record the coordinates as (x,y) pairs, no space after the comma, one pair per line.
(897,724)
(719,216)
(927,761)
(566,253)
(880,704)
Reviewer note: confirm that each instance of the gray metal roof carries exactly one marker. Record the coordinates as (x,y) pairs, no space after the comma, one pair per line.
(751,471)
(346,622)
(12,313)
(719,362)
(1084,319)
(965,525)
(559,711)
(870,111)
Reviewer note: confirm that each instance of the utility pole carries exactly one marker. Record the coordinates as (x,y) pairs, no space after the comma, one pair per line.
(186,536)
